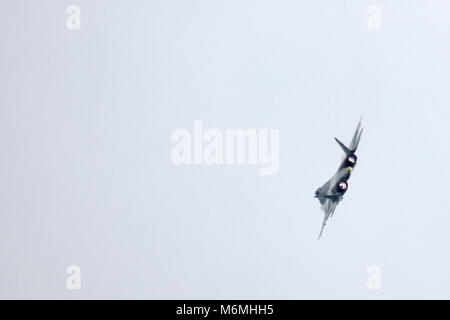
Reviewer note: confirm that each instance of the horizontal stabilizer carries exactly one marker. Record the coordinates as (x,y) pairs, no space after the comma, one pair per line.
(346,150)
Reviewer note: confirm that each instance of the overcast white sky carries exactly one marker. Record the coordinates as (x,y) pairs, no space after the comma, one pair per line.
(86,178)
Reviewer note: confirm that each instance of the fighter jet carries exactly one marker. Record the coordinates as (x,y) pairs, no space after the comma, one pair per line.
(332,192)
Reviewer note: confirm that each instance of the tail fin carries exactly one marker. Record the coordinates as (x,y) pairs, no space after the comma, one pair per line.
(346,150)
(356,136)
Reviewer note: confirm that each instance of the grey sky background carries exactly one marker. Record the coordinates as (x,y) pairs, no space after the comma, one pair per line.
(85,172)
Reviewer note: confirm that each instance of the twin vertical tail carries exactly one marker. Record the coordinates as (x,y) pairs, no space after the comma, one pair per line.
(355,140)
